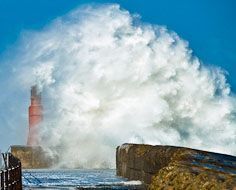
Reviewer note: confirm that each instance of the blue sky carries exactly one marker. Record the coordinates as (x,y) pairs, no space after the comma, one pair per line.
(208,25)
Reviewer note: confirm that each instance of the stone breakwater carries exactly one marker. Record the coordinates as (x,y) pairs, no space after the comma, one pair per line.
(169,167)
(32,157)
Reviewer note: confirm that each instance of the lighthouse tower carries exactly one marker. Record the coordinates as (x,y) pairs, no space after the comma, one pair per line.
(33,156)
(35,116)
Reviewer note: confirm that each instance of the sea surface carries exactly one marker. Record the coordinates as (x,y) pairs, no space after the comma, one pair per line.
(76,179)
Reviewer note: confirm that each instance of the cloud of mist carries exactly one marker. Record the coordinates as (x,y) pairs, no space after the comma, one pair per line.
(107,78)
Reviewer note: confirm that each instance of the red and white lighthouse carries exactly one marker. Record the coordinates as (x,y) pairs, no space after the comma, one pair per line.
(35,116)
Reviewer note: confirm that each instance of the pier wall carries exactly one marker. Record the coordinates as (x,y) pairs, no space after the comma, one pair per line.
(161,167)
(32,157)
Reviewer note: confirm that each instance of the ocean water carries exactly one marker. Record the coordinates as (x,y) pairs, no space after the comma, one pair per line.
(76,179)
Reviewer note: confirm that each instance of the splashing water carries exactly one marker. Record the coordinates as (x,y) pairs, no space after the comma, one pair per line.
(107,78)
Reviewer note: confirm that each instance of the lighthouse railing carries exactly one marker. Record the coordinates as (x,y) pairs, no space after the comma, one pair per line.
(10,173)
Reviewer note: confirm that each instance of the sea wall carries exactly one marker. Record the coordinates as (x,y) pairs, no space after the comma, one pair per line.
(31,157)
(169,167)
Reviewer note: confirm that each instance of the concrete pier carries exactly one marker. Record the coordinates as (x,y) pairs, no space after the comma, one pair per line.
(32,157)
(169,167)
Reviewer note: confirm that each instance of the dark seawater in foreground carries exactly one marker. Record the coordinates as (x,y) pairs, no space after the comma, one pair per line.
(76,179)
